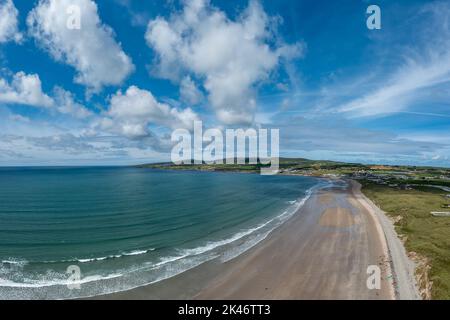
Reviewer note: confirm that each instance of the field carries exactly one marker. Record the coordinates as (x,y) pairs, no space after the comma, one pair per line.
(423,234)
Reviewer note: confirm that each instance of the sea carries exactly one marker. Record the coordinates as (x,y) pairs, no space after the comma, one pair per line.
(72,232)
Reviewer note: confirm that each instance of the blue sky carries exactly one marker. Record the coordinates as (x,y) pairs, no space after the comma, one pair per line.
(112,91)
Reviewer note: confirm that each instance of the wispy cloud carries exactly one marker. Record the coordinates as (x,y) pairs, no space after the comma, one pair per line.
(424,68)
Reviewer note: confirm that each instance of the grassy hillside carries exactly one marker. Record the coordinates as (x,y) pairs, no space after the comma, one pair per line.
(290,164)
(420,175)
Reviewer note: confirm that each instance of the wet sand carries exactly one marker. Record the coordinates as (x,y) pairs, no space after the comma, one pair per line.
(322,252)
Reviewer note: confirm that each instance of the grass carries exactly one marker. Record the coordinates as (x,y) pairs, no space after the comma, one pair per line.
(427,235)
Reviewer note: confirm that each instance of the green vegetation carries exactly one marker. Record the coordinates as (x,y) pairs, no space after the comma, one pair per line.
(292,165)
(426,235)
(416,175)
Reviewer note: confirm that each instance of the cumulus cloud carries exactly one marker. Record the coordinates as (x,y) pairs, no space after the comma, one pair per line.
(8,23)
(189,92)
(24,89)
(230,56)
(92,50)
(66,104)
(131,113)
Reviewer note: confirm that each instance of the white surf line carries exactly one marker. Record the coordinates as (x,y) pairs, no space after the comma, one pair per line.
(403,268)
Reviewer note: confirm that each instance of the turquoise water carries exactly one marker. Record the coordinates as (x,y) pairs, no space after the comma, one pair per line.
(126,227)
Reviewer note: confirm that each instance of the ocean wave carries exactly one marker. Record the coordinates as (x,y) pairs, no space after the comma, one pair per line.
(33,283)
(279,220)
(14,262)
(22,262)
(112,256)
(170,265)
(212,245)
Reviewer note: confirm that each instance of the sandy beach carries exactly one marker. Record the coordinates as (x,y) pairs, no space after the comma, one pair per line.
(322,252)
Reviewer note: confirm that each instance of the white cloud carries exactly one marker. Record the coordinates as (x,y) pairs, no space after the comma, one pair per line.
(300,133)
(138,18)
(425,67)
(131,113)
(401,89)
(189,92)
(66,104)
(24,89)
(91,50)
(19,118)
(231,57)
(8,22)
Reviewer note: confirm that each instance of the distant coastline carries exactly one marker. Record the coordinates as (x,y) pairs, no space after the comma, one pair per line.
(326,168)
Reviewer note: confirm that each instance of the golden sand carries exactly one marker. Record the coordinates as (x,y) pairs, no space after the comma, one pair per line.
(337,218)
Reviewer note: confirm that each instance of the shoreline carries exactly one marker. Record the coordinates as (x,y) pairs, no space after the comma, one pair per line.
(403,267)
(321,252)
